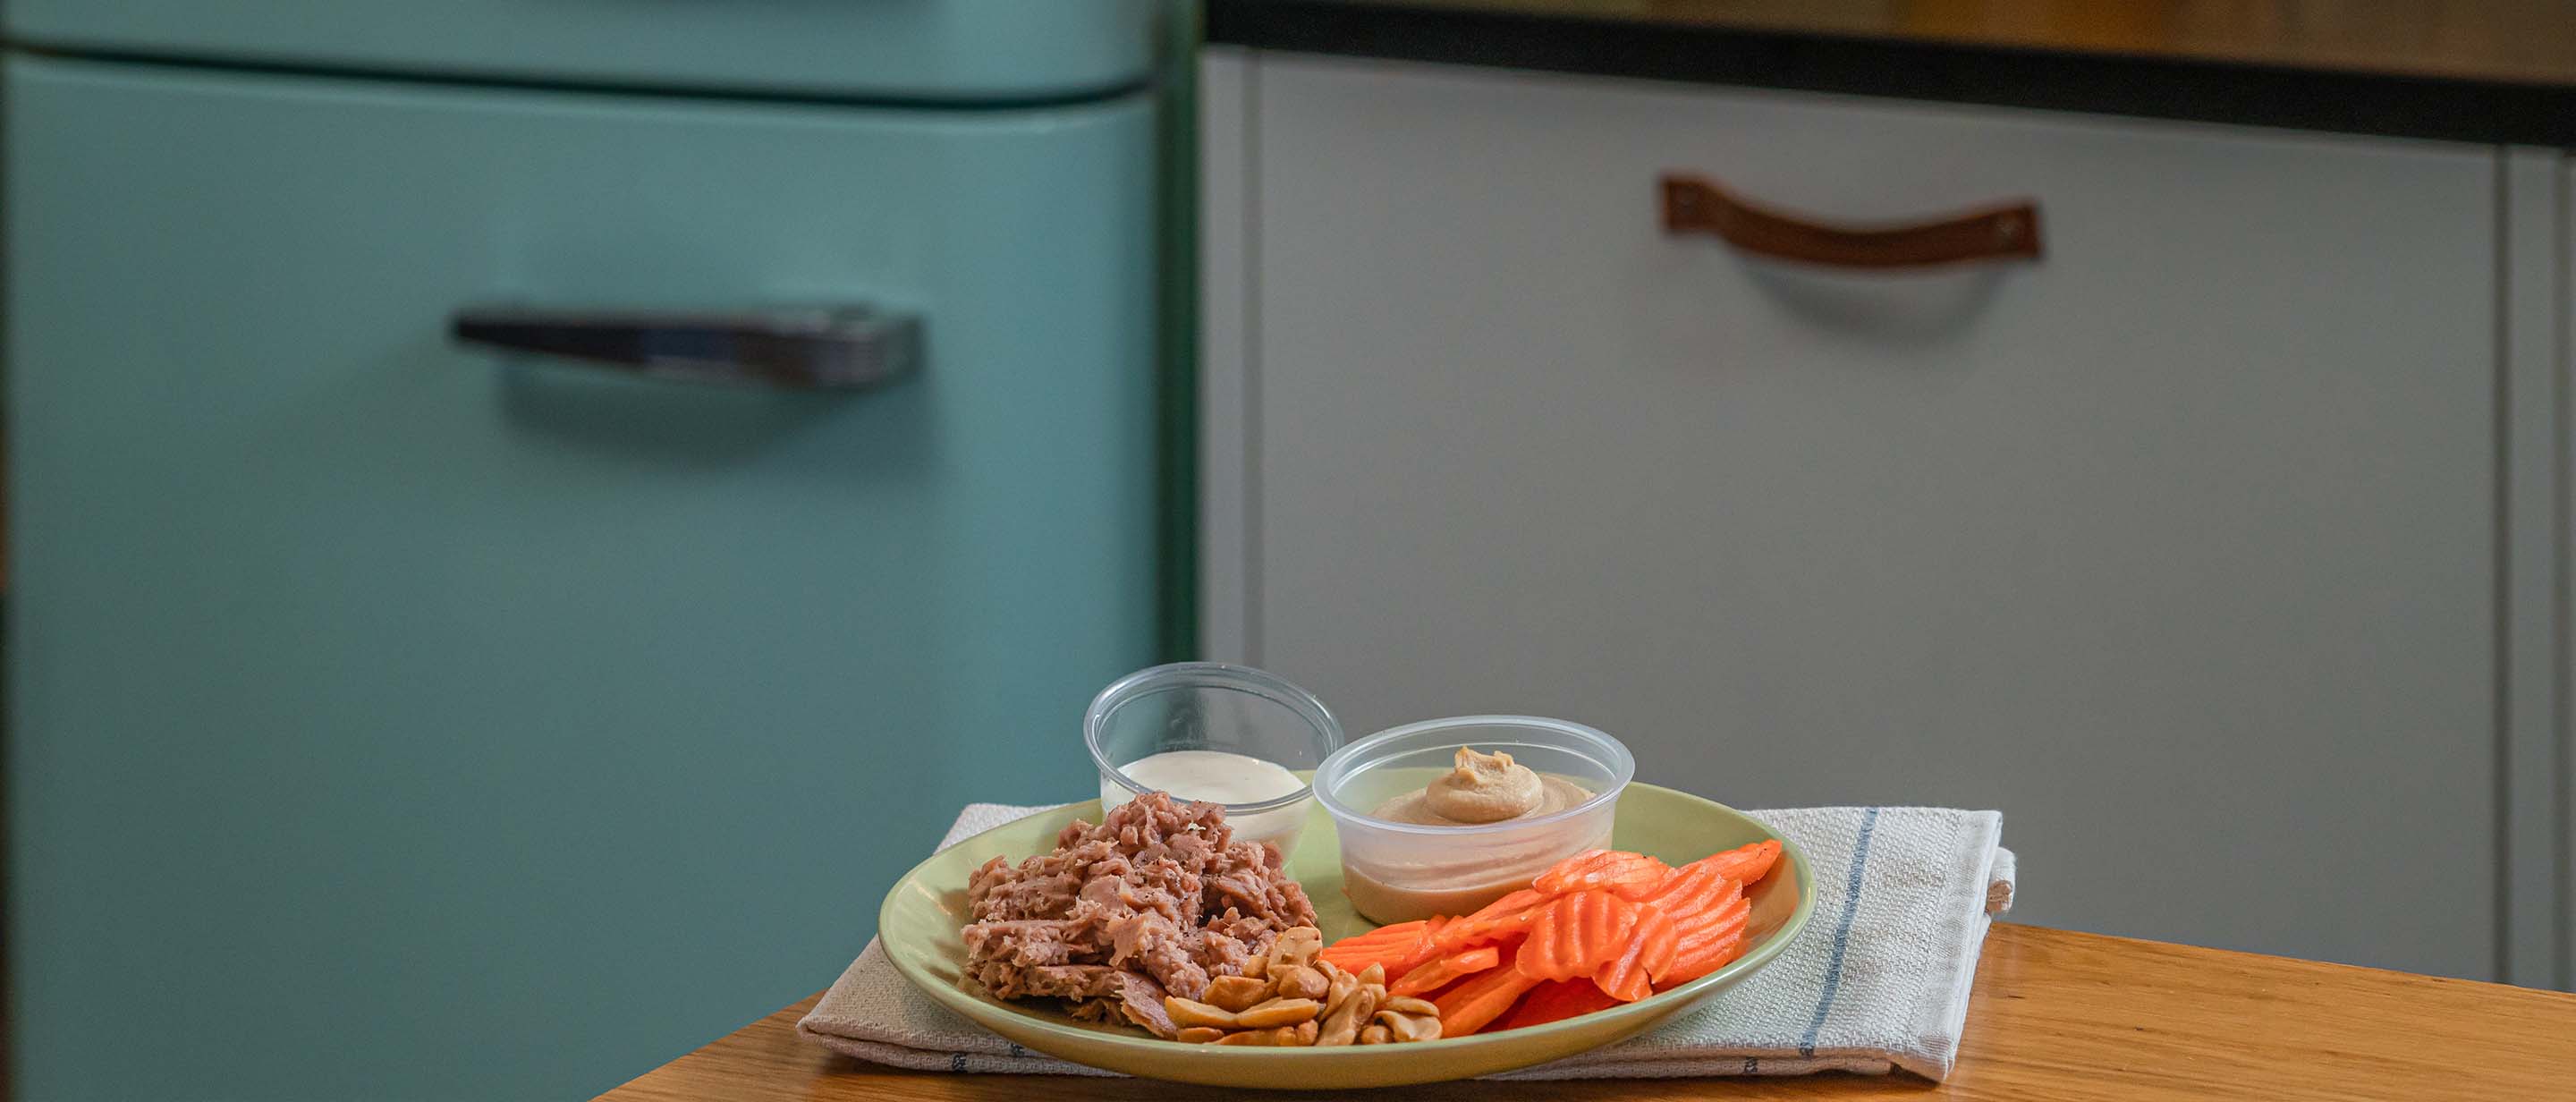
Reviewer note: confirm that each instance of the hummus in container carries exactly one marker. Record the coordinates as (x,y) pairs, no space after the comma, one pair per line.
(1446,816)
(1483,788)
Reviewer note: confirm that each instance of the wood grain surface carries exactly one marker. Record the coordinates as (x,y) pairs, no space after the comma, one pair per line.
(2057,1015)
(2500,40)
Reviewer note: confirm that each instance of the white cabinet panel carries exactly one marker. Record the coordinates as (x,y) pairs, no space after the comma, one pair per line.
(2176,546)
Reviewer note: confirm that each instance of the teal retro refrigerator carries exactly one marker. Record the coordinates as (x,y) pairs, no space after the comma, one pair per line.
(526,517)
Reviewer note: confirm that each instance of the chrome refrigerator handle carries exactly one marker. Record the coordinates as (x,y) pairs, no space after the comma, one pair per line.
(817,348)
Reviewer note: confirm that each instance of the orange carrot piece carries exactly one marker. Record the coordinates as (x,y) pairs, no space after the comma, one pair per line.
(1400,932)
(1513,903)
(1698,927)
(1729,920)
(1507,930)
(1709,956)
(1360,962)
(1440,972)
(1508,905)
(1629,875)
(1688,890)
(1745,863)
(1707,950)
(1423,951)
(1554,1001)
(1499,920)
(1658,954)
(1651,948)
(1352,947)
(1538,950)
(1698,919)
(1483,997)
(1582,859)
(1397,948)
(1680,875)
(1397,938)
(1345,954)
(1575,934)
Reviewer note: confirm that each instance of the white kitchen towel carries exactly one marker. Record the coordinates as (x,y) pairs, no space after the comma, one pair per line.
(1878,980)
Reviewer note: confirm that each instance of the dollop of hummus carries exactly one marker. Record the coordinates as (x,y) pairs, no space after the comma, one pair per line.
(1484,788)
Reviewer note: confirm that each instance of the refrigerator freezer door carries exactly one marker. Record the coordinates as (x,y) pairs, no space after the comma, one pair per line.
(905,49)
(392,718)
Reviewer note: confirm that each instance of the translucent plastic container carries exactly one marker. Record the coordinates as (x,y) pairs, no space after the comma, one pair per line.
(1397,872)
(1185,728)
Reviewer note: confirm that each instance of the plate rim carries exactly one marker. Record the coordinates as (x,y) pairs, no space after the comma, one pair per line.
(1649,1009)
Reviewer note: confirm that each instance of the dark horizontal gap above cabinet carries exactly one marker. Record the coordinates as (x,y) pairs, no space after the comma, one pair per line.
(2149,87)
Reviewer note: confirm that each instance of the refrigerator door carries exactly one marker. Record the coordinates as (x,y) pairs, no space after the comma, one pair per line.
(393,718)
(891,49)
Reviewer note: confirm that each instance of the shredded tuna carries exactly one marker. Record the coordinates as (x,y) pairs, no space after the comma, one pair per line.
(1159,898)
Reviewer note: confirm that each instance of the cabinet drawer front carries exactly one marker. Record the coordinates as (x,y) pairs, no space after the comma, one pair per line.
(2173,545)
(396,720)
(932,49)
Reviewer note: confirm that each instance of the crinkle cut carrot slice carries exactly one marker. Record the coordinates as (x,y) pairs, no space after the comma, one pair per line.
(1711,956)
(1729,920)
(1712,947)
(1652,944)
(1689,888)
(1499,920)
(1629,875)
(1704,913)
(1575,934)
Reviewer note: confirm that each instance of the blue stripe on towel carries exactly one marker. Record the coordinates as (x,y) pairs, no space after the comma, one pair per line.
(1842,933)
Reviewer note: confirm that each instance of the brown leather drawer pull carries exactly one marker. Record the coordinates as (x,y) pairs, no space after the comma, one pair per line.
(2008,231)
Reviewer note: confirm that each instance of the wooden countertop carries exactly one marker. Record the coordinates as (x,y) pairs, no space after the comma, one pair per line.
(2531,41)
(2056,1015)
(2476,70)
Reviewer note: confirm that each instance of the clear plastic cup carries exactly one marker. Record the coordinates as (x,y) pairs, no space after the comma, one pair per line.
(1397,872)
(1185,728)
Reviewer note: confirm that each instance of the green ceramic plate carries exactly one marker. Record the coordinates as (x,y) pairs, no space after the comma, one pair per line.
(922,914)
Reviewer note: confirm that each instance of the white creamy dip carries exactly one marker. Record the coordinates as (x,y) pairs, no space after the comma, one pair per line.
(1220,777)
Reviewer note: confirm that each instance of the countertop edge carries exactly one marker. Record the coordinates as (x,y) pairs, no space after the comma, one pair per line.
(2055,1014)
(2315,99)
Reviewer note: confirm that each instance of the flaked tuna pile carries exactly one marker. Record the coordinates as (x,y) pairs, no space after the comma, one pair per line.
(1159,898)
